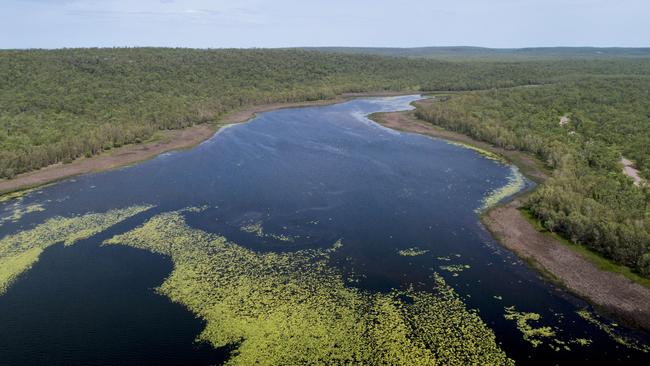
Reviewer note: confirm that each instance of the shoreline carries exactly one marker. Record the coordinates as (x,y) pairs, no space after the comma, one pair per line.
(168,140)
(610,293)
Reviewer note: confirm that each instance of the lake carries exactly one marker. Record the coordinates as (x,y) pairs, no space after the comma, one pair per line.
(403,205)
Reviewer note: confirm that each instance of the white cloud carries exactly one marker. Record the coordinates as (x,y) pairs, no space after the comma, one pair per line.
(281,23)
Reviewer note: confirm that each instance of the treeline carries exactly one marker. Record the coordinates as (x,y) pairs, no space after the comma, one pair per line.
(56,106)
(587,199)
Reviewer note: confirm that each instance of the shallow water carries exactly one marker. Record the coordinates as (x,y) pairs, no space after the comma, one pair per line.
(306,177)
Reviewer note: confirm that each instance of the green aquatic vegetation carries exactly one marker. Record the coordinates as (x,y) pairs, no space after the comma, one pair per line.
(253,228)
(294,307)
(582,341)
(412,252)
(610,330)
(455,269)
(16,194)
(257,229)
(18,252)
(534,335)
(559,345)
(19,211)
(515,184)
(197,209)
(485,153)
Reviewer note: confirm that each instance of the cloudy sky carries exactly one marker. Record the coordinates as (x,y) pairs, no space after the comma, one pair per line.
(284,23)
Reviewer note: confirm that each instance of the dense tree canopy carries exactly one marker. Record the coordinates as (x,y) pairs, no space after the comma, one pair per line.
(588,199)
(62,104)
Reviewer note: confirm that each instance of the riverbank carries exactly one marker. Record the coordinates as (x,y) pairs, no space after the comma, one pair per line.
(612,293)
(407,121)
(169,140)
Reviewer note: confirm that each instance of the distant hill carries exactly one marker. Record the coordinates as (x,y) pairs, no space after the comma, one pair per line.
(475,53)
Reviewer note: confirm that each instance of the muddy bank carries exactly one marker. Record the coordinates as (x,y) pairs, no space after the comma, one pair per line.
(610,292)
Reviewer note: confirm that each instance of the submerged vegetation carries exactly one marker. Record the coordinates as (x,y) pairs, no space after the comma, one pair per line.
(293,308)
(18,252)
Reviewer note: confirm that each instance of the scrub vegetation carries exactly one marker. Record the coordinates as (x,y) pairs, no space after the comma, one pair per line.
(18,252)
(588,199)
(294,308)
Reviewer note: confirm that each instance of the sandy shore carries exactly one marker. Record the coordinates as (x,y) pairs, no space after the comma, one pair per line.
(611,293)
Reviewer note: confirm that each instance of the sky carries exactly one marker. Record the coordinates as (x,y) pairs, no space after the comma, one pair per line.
(291,23)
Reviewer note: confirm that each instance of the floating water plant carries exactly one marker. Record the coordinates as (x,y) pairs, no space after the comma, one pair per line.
(611,332)
(18,211)
(18,252)
(515,184)
(294,308)
(256,228)
(455,269)
(582,341)
(197,209)
(534,335)
(485,153)
(412,252)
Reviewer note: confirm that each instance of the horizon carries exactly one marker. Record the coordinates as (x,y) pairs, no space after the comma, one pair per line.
(341,47)
(211,24)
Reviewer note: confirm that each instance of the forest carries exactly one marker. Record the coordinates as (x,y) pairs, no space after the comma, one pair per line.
(60,105)
(588,199)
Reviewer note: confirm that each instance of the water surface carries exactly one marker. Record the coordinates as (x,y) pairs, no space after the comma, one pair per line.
(307,177)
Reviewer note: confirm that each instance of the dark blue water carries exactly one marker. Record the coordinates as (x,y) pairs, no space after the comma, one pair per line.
(313,175)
